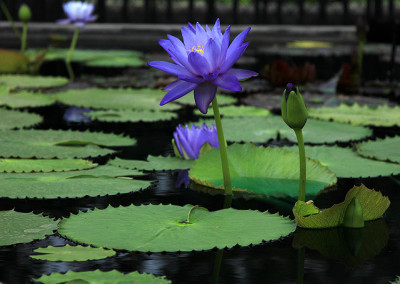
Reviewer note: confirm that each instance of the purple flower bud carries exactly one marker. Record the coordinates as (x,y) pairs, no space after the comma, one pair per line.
(78,13)
(189,141)
(290,87)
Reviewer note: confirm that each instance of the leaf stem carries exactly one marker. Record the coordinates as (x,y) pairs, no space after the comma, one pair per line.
(302,156)
(222,148)
(24,36)
(70,52)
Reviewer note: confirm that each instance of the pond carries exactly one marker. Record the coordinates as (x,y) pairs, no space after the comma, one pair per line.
(310,256)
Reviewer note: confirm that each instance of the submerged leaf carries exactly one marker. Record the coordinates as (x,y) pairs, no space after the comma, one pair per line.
(71,253)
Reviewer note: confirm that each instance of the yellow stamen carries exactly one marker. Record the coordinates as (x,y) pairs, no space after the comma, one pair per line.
(198,48)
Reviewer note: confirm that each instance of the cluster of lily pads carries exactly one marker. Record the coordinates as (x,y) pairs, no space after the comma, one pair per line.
(49,164)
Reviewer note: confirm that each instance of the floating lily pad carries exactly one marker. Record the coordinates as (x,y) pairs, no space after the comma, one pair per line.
(373,205)
(154,163)
(17,119)
(222,100)
(34,165)
(26,81)
(141,99)
(71,253)
(235,111)
(97,276)
(100,181)
(397,281)
(346,163)
(24,99)
(58,143)
(262,129)
(270,171)
(131,115)
(99,58)
(383,149)
(359,115)
(159,228)
(19,227)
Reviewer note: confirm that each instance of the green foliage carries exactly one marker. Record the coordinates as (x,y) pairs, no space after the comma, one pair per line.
(19,227)
(131,115)
(397,281)
(71,253)
(26,81)
(100,277)
(24,99)
(359,115)
(35,165)
(373,205)
(58,143)
(234,111)
(16,119)
(270,171)
(382,149)
(100,181)
(154,163)
(345,162)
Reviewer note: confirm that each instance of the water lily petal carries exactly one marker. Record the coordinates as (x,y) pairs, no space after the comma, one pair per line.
(224,45)
(172,85)
(203,95)
(180,89)
(64,21)
(232,57)
(169,68)
(199,63)
(228,81)
(189,38)
(201,35)
(182,139)
(211,53)
(241,73)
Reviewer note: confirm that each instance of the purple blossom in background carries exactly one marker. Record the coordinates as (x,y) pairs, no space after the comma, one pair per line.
(190,140)
(78,13)
(203,62)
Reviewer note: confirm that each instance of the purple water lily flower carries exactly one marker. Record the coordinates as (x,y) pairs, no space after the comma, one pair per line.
(78,13)
(203,62)
(189,141)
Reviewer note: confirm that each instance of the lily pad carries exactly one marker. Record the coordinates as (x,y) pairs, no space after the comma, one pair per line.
(359,115)
(222,99)
(17,119)
(19,227)
(131,115)
(373,205)
(98,277)
(154,163)
(262,129)
(58,143)
(100,181)
(159,228)
(397,281)
(346,163)
(71,253)
(383,149)
(141,99)
(270,171)
(26,81)
(235,111)
(34,165)
(24,99)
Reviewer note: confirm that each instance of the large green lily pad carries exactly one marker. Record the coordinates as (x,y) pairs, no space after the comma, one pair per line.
(262,129)
(383,149)
(154,163)
(131,115)
(235,111)
(270,171)
(100,181)
(17,119)
(159,228)
(222,100)
(71,253)
(35,165)
(27,81)
(17,227)
(24,99)
(373,205)
(58,143)
(141,99)
(346,163)
(100,277)
(359,115)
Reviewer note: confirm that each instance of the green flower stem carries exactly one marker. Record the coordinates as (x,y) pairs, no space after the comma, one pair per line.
(217,266)
(24,36)
(222,148)
(9,19)
(70,52)
(302,155)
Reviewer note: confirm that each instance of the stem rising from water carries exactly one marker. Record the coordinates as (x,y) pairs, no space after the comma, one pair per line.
(70,52)
(302,156)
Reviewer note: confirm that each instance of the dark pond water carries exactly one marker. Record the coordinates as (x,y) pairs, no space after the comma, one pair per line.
(332,256)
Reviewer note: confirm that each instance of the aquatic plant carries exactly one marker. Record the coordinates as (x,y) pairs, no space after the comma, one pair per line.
(78,13)
(24,14)
(190,142)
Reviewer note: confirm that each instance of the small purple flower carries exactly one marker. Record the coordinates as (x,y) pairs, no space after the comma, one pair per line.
(78,13)
(203,62)
(189,141)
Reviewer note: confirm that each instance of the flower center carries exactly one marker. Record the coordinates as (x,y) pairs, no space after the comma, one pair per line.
(198,49)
